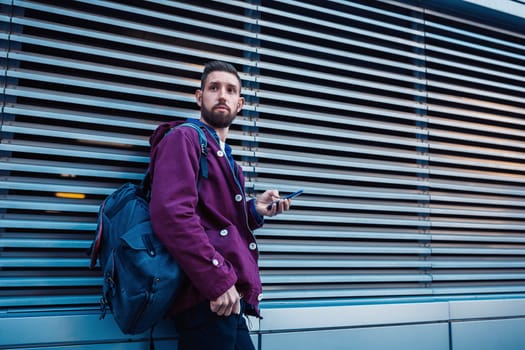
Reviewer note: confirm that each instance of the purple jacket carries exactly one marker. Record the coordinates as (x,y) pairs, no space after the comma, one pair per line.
(209,231)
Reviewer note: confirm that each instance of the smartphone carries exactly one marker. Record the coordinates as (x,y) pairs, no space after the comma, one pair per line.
(290,196)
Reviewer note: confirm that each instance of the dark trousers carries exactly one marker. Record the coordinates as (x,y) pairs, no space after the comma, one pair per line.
(200,329)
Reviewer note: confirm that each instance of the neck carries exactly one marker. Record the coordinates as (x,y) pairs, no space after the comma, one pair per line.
(221,132)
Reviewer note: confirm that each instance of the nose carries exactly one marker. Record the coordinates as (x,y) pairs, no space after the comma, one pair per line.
(222,93)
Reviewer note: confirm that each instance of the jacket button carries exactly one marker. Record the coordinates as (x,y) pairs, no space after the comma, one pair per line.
(238,197)
(215,262)
(223,232)
(252,246)
(220,153)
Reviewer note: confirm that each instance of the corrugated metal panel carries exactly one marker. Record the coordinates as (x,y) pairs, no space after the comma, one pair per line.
(402,124)
(87,83)
(476,137)
(341,87)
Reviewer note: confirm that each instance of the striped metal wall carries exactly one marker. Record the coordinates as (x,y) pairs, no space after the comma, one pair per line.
(401,120)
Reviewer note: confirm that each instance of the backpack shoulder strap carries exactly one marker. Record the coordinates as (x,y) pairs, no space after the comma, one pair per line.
(204,148)
(203,169)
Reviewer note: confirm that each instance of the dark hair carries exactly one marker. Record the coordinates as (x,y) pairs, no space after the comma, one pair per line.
(219,66)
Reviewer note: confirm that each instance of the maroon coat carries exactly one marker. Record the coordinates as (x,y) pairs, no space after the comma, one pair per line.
(209,231)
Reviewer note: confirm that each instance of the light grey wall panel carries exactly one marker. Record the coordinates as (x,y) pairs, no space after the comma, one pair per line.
(297,318)
(77,329)
(506,334)
(410,337)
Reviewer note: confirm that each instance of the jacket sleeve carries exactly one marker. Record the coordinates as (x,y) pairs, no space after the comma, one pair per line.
(255,220)
(174,198)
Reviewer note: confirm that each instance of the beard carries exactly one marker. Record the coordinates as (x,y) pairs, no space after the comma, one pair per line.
(218,120)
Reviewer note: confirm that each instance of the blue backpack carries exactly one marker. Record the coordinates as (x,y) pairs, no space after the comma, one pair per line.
(141,279)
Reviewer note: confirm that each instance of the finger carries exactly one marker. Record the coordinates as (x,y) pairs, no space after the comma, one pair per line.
(237,308)
(222,310)
(214,306)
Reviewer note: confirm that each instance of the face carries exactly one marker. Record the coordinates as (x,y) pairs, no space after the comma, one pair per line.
(220,99)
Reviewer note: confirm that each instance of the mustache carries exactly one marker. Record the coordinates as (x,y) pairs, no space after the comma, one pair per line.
(221,105)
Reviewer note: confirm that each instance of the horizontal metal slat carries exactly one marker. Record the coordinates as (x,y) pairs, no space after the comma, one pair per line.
(344,218)
(101,85)
(75,134)
(478,103)
(157,15)
(55,185)
(483,92)
(480,237)
(313,73)
(46,222)
(129,40)
(327,277)
(495,165)
(291,293)
(477,212)
(321,49)
(87,66)
(44,243)
(328,189)
(319,36)
(344,162)
(479,224)
(477,276)
(479,126)
(83,117)
(494,153)
(456,64)
(354,248)
(477,263)
(346,146)
(369,206)
(319,102)
(478,36)
(94,101)
(478,289)
(312,231)
(345,92)
(469,186)
(51,149)
(48,204)
(24,282)
(27,301)
(29,262)
(108,52)
(485,59)
(467,250)
(474,79)
(345,16)
(476,174)
(354,176)
(344,262)
(209,11)
(70,169)
(350,120)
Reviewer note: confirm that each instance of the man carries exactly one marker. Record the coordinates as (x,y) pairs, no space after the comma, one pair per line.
(207,223)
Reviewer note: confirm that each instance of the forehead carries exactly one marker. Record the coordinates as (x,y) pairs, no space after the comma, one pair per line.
(219,77)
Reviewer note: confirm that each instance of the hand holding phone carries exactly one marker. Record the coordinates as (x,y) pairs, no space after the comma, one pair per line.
(290,196)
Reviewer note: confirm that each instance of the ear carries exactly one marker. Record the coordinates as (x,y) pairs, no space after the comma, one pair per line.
(240,104)
(198,97)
